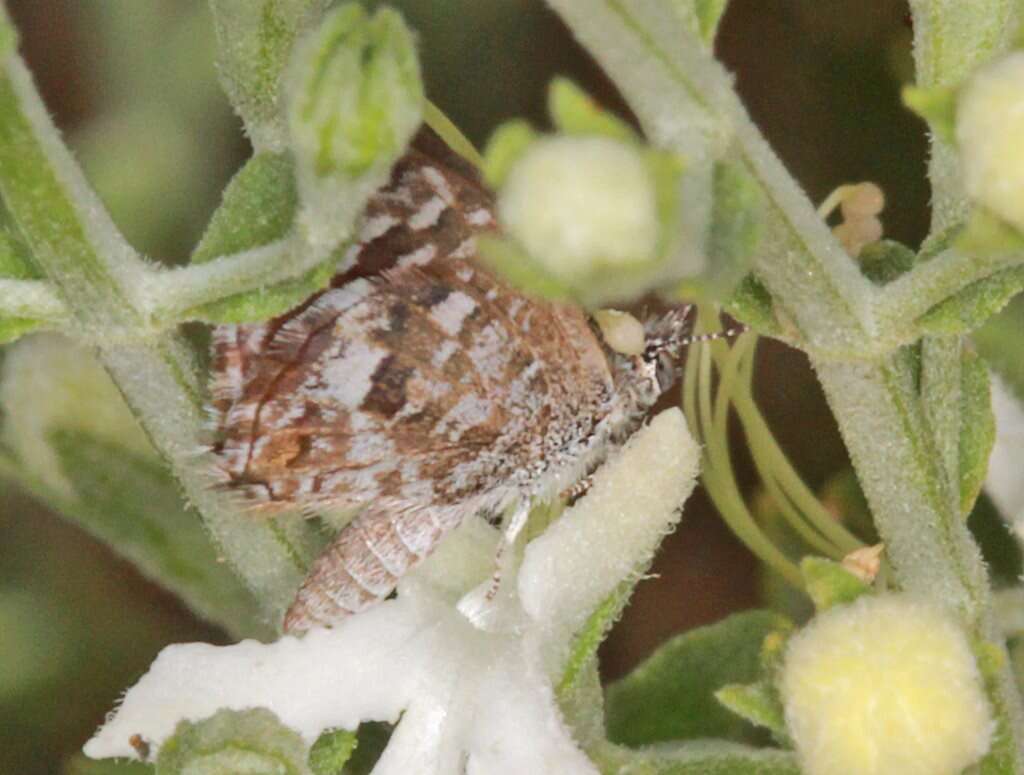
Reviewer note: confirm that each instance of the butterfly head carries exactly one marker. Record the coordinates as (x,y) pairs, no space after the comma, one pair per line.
(645,376)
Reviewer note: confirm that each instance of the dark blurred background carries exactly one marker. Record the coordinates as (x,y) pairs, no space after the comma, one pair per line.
(132,85)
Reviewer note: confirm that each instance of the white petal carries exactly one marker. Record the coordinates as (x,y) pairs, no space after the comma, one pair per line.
(520,730)
(329,678)
(634,500)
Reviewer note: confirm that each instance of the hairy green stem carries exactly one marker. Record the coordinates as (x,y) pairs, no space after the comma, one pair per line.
(97,277)
(900,303)
(672,83)
(685,101)
(34,299)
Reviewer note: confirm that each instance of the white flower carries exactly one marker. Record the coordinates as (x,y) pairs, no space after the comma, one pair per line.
(990,133)
(884,685)
(465,699)
(579,203)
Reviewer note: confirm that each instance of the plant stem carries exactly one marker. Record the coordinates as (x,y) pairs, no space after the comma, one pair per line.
(685,102)
(906,298)
(675,89)
(31,299)
(97,277)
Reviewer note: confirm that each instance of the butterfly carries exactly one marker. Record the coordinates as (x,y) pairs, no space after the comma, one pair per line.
(421,389)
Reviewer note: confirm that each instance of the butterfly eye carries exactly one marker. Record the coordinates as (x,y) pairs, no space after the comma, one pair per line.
(666,371)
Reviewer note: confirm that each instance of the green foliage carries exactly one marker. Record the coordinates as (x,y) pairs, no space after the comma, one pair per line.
(977,428)
(258,208)
(700,757)
(736,226)
(504,148)
(331,751)
(254,44)
(574,112)
(971,307)
(829,583)
(230,742)
(584,646)
(885,260)
(751,303)
(937,106)
(16,263)
(132,503)
(670,696)
(757,702)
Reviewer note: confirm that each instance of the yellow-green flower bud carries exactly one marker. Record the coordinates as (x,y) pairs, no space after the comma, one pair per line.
(356,100)
(884,685)
(990,134)
(254,42)
(579,204)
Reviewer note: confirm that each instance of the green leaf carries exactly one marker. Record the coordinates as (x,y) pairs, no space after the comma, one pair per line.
(702,757)
(736,226)
(231,742)
(16,260)
(504,148)
(258,207)
(574,112)
(331,750)
(670,696)
(937,106)
(132,503)
(829,583)
(751,303)
(977,428)
(709,14)
(758,703)
(999,342)
(971,307)
(586,641)
(16,263)
(885,260)
(254,44)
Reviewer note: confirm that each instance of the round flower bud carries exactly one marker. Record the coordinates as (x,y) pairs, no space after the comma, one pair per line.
(886,684)
(581,203)
(990,133)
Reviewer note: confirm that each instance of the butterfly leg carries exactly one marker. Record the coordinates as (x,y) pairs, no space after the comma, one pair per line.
(480,605)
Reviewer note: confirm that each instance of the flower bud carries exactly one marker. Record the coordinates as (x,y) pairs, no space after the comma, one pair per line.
(254,41)
(356,100)
(886,684)
(989,128)
(580,204)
